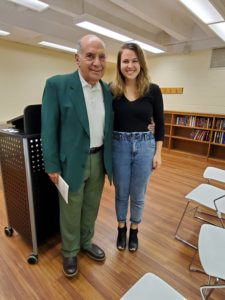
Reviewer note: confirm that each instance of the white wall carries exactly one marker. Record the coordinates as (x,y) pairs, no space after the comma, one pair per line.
(24,70)
(204,88)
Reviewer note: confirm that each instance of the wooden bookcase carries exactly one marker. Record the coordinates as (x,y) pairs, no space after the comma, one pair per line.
(196,134)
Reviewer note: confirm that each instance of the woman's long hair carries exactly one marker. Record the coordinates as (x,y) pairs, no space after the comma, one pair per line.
(143,80)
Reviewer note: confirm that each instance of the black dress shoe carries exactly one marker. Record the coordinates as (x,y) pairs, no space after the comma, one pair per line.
(70,268)
(95,252)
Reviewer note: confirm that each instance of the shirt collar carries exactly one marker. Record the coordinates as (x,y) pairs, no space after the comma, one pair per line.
(85,84)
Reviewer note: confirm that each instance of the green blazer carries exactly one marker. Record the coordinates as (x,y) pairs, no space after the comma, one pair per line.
(65,128)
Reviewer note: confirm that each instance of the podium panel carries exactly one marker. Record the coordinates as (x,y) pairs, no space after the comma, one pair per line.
(31,199)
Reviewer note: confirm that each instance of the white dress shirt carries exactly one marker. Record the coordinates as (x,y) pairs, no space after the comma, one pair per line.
(95,110)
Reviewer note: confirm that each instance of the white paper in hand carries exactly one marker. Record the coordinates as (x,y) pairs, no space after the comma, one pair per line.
(63,188)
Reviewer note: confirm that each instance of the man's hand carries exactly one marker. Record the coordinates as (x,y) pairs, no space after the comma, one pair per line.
(54,177)
(151,127)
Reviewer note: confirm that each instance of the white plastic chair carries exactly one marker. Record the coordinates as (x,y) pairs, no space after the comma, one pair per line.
(151,287)
(215,174)
(211,248)
(207,195)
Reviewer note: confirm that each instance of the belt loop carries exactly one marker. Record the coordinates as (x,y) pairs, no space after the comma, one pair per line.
(130,136)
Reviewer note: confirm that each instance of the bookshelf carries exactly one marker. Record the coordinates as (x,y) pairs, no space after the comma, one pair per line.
(196,134)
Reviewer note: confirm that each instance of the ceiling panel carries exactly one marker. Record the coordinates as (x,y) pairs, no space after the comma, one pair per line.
(163,23)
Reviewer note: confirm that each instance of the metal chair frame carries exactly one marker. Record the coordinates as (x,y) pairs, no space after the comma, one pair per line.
(211,288)
(210,173)
(218,213)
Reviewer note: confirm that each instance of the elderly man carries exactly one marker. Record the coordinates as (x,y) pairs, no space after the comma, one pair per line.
(76,138)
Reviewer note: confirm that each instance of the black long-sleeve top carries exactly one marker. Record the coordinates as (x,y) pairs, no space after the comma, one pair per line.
(135,116)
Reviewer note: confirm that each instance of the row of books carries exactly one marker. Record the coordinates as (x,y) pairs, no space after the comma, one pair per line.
(220,123)
(200,135)
(194,121)
(219,137)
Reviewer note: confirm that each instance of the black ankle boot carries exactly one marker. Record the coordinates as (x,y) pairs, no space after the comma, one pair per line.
(122,238)
(133,240)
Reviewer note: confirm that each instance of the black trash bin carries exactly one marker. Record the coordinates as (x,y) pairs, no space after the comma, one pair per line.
(31,199)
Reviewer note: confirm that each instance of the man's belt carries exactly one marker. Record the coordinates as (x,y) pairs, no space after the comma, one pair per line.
(95,149)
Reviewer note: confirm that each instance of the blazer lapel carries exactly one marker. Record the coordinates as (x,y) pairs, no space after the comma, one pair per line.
(77,97)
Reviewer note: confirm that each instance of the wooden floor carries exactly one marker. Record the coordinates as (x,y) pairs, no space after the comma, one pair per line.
(158,252)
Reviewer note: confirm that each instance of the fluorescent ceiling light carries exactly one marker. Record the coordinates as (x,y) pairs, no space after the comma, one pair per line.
(32,4)
(148,47)
(57,46)
(4,33)
(204,10)
(117,36)
(219,29)
(101,30)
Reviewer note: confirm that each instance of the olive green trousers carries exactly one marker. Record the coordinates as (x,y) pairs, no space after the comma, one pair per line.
(77,218)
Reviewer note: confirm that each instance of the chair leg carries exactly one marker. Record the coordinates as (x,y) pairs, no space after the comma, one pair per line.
(221,221)
(210,215)
(195,268)
(210,288)
(202,289)
(177,237)
(181,219)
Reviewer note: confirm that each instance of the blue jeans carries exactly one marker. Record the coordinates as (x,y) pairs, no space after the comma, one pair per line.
(133,154)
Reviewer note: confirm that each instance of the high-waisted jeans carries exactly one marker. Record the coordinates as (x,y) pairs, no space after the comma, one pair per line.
(133,154)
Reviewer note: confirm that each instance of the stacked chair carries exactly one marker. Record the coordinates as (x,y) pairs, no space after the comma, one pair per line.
(211,250)
(211,239)
(207,196)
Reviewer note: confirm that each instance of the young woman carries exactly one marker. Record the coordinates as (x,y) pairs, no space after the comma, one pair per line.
(136,150)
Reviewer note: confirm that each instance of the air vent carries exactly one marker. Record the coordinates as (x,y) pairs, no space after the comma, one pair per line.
(218,58)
